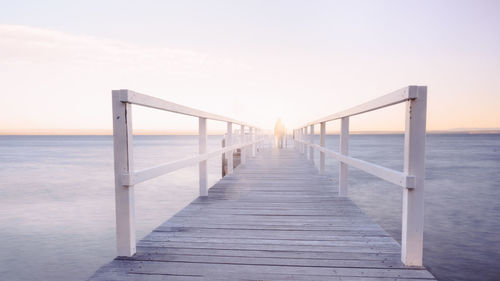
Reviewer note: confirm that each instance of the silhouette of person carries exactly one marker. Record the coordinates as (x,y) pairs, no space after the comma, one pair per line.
(279,133)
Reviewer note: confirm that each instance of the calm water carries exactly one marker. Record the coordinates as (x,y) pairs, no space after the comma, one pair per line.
(57,200)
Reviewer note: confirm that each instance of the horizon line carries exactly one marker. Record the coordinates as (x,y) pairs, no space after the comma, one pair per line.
(221,132)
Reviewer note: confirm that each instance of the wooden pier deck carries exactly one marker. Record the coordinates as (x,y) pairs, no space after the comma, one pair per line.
(274,218)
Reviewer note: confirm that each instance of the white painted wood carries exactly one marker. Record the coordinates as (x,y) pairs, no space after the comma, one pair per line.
(414,164)
(202,165)
(148,101)
(306,139)
(344,150)
(294,138)
(303,146)
(311,139)
(299,139)
(305,136)
(395,97)
(243,149)
(162,169)
(322,144)
(126,177)
(123,164)
(294,135)
(392,176)
(256,136)
(273,220)
(399,178)
(252,133)
(299,134)
(229,142)
(286,138)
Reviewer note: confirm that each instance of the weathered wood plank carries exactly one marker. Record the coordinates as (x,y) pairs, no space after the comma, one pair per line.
(270,247)
(204,269)
(270,253)
(282,261)
(273,218)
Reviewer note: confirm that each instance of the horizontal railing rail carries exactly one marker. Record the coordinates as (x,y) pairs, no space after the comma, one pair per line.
(399,96)
(412,178)
(390,175)
(162,169)
(125,175)
(132,97)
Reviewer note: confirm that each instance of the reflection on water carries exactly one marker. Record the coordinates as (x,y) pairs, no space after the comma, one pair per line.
(57,200)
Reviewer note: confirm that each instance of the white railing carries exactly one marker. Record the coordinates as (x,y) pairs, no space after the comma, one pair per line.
(411,179)
(125,175)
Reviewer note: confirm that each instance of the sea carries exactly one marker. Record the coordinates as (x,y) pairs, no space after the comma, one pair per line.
(57,217)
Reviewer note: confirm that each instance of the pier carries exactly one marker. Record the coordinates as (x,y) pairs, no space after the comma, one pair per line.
(276,216)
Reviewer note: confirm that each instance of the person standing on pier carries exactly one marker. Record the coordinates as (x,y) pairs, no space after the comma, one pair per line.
(279,133)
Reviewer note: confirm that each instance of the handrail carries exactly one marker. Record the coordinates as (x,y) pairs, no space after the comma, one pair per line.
(162,169)
(125,175)
(401,95)
(390,175)
(412,178)
(149,101)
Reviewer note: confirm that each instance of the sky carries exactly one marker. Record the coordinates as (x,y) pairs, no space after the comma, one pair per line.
(254,61)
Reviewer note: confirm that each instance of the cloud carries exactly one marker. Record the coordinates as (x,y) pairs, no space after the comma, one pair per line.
(30,45)
(51,79)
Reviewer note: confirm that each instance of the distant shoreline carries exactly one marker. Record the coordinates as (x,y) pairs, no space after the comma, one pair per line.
(191,133)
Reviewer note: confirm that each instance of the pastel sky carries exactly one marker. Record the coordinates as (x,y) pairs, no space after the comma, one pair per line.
(250,60)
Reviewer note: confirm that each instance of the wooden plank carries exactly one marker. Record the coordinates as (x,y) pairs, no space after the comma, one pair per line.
(206,269)
(276,218)
(268,247)
(282,261)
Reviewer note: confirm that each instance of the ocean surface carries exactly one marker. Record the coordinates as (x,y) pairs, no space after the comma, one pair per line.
(57,199)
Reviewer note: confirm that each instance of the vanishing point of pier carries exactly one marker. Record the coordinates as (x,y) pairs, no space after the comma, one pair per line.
(276,216)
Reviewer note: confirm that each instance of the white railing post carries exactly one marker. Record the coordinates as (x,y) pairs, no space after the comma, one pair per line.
(260,136)
(294,135)
(123,162)
(252,133)
(414,165)
(202,131)
(303,145)
(305,139)
(311,148)
(299,132)
(229,142)
(243,150)
(248,138)
(295,138)
(299,144)
(344,150)
(322,144)
(286,138)
(299,138)
(257,137)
